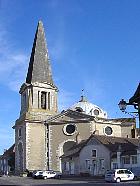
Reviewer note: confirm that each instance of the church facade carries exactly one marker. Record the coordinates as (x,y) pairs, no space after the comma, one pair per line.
(42,134)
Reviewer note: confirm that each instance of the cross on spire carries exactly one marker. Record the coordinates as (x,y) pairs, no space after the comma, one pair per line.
(83,98)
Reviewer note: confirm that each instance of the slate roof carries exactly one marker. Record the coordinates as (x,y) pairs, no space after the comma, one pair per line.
(85,118)
(128,145)
(121,120)
(9,151)
(39,69)
(113,143)
(74,115)
(136,97)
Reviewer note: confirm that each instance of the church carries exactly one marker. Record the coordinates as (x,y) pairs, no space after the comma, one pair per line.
(42,134)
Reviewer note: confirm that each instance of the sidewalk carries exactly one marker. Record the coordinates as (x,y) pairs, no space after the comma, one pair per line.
(73,177)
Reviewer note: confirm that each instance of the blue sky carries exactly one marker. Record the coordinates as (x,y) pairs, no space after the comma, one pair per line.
(93,45)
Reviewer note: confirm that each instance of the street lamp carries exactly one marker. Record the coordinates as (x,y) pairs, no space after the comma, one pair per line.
(123,104)
(135,101)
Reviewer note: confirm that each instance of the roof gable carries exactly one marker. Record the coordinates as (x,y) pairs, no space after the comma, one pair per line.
(70,116)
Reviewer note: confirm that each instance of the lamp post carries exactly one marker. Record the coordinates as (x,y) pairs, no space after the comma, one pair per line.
(135,101)
(123,104)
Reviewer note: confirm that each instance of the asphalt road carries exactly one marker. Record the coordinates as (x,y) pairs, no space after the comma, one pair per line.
(15,180)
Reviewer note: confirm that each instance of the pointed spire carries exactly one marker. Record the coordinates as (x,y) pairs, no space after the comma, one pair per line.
(39,69)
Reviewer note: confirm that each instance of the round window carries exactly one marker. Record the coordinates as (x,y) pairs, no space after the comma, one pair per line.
(108,130)
(69,129)
(96,112)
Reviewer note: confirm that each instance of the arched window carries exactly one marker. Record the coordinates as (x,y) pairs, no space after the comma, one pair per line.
(43,100)
(133,133)
(79,109)
(20,152)
(49,99)
(67,145)
(19,132)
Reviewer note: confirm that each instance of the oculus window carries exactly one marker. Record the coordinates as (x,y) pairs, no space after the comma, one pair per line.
(69,129)
(108,130)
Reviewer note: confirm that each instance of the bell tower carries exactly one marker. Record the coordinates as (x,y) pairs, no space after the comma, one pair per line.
(38,93)
(38,102)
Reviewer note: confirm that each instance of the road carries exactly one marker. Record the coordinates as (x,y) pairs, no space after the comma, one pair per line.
(14,180)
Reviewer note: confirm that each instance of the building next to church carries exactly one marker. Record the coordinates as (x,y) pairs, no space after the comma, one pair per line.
(42,134)
(99,153)
(7,161)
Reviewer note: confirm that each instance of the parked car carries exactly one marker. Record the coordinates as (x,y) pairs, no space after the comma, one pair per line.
(118,175)
(44,174)
(35,173)
(58,174)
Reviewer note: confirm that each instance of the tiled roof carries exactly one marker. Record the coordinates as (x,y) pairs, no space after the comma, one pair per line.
(10,150)
(112,143)
(123,120)
(74,151)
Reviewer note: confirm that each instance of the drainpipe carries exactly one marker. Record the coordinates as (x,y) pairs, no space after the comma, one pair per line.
(47,144)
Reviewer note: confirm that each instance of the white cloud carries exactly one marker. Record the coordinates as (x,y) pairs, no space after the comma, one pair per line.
(12,63)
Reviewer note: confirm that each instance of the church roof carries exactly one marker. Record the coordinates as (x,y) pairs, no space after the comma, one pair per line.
(123,121)
(74,117)
(81,117)
(88,108)
(39,69)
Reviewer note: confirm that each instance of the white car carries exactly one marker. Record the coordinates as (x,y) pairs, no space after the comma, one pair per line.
(118,175)
(44,174)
